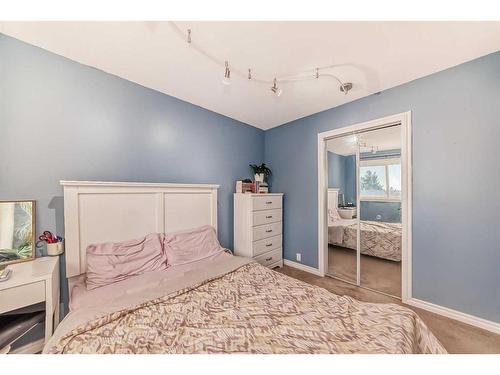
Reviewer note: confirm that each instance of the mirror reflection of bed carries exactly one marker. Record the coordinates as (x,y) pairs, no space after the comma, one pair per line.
(364,178)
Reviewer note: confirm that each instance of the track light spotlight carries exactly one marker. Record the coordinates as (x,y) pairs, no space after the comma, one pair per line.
(227,75)
(345,87)
(275,89)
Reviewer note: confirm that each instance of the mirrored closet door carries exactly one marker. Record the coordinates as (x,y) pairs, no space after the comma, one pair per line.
(342,208)
(379,204)
(364,209)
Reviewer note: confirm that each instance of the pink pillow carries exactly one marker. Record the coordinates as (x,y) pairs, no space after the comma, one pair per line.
(191,245)
(109,262)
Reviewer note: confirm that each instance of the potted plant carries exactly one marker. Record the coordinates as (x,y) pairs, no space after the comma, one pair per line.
(260,171)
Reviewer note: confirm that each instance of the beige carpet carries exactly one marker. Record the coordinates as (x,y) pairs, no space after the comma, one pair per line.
(376,273)
(456,337)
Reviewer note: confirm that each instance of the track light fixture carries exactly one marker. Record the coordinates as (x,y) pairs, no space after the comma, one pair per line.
(275,89)
(319,72)
(227,75)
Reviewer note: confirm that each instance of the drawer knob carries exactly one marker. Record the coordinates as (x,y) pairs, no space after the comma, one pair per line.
(269,231)
(269,244)
(268,259)
(269,202)
(269,217)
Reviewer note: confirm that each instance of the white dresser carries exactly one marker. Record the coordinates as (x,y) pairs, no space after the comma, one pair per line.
(258,227)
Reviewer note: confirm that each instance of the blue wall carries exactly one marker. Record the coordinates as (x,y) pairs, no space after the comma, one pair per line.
(62,120)
(456,177)
(342,175)
(350,179)
(389,212)
(336,171)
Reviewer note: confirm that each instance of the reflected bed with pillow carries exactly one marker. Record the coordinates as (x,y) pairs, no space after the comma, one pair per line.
(378,239)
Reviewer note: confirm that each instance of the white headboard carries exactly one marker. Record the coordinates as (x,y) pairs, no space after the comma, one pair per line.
(333,198)
(97,212)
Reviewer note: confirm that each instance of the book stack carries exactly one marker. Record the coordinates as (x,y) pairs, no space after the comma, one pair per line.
(248,186)
(263,188)
(244,186)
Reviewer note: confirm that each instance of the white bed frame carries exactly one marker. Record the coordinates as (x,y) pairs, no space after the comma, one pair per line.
(97,212)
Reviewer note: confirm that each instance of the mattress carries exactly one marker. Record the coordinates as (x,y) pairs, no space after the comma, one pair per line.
(378,239)
(235,305)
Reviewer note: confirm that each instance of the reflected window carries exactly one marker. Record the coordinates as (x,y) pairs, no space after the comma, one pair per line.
(373,181)
(394,172)
(380,179)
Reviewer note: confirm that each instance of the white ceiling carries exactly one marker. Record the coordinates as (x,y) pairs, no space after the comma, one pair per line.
(381,139)
(374,56)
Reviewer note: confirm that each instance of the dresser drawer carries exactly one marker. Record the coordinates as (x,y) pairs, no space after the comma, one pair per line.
(21,296)
(266,217)
(270,202)
(266,230)
(267,244)
(270,257)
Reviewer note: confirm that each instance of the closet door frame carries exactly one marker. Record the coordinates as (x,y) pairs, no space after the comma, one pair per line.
(403,119)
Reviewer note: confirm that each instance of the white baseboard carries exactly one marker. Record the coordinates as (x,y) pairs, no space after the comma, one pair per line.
(457,315)
(302,267)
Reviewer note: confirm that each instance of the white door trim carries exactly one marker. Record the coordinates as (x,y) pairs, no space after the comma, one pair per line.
(406,178)
(302,267)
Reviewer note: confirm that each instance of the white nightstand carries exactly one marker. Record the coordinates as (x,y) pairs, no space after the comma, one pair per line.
(30,283)
(347,212)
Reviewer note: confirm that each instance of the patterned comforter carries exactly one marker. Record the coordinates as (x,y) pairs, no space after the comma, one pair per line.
(382,240)
(248,308)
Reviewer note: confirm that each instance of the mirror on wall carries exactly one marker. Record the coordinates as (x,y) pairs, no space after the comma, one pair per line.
(342,197)
(380,210)
(17,231)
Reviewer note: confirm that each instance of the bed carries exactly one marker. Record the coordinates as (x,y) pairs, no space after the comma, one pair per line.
(219,304)
(378,239)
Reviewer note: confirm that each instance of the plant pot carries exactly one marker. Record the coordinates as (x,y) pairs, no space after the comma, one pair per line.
(259,177)
(54,249)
